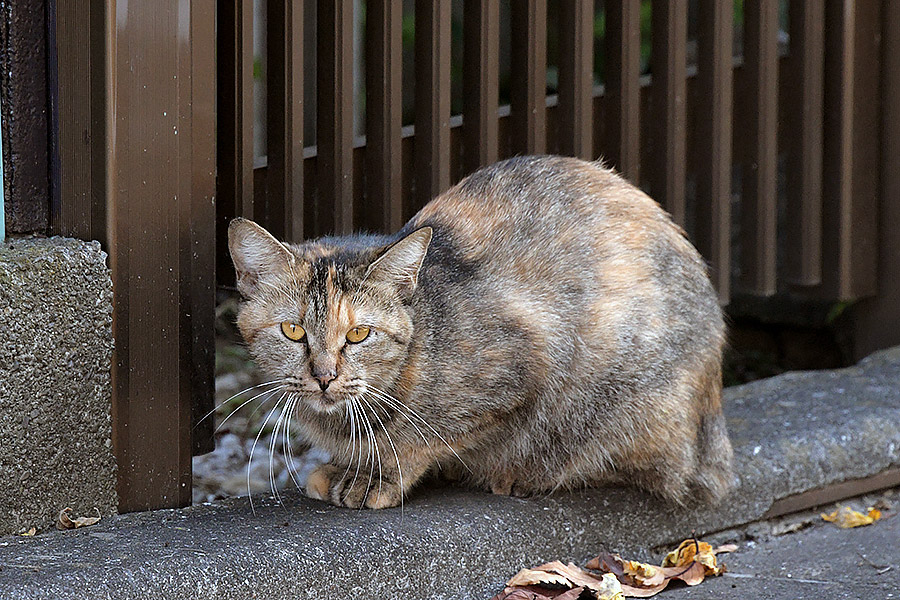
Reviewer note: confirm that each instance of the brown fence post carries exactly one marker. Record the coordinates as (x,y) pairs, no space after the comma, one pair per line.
(877,320)
(151,142)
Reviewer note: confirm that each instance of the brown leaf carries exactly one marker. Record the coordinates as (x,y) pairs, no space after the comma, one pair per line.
(532,592)
(66,522)
(538,576)
(693,575)
(725,548)
(568,575)
(643,592)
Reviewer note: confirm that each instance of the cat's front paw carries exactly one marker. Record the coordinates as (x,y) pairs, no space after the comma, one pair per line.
(341,487)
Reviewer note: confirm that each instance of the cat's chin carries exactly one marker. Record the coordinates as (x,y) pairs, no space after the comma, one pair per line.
(323,403)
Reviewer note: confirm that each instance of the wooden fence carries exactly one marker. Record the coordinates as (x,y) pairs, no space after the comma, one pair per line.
(767,129)
(693,134)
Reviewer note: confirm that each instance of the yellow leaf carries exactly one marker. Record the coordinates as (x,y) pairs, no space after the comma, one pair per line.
(609,589)
(643,574)
(30,532)
(845,517)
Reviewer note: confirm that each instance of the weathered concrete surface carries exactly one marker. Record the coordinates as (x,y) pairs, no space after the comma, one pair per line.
(792,433)
(818,563)
(55,426)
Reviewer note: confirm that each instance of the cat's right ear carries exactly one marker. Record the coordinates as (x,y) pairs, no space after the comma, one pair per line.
(255,253)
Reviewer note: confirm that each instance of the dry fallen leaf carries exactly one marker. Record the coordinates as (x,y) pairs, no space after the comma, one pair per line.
(845,517)
(571,576)
(30,532)
(532,592)
(691,562)
(67,522)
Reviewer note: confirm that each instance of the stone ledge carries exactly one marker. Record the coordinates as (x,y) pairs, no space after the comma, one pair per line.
(791,433)
(55,356)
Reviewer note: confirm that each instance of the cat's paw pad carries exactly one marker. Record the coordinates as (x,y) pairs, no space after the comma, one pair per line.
(342,488)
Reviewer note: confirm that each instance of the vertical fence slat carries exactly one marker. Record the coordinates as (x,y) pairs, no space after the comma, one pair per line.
(234,142)
(804,170)
(758,198)
(714,79)
(528,80)
(668,94)
(481,81)
(576,51)
(850,218)
(284,74)
(623,89)
(198,293)
(384,45)
(432,121)
(334,101)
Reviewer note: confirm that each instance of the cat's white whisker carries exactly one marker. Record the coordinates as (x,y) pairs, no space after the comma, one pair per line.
(396,456)
(278,425)
(359,433)
(289,452)
(267,393)
(250,461)
(351,442)
(375,397)
(400,406)
(374,453)
(244,391)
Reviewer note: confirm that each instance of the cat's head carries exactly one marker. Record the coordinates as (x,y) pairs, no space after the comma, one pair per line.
(331,320)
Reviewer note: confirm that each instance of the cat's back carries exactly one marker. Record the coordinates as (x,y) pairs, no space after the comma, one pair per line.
(538,212)
(567,250)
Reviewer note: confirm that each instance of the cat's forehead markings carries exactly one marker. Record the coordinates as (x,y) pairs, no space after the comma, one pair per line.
(314,252)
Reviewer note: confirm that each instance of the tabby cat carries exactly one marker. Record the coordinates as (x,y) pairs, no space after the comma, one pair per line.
(541,325)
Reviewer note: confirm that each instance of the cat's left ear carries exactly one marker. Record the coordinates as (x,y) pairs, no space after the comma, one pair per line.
(256,255)
(401,262)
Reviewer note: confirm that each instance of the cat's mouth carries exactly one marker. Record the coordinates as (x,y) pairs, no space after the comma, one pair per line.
(325,402)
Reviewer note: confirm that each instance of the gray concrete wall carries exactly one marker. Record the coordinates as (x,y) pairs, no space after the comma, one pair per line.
(55,352)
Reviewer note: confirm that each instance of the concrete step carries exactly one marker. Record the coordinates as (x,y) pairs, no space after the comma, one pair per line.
(793,435)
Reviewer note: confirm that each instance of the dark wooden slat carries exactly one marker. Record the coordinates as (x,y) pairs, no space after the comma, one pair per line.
(432,122)
(758,198)
(804,170)
(384,45)
(669,68)
(156,163)
(576,51)
(528,80)
(851,104)
(234,146)
(876,322)
(481,81)
(713,147)
(622,81)
(284,74)
(72,216)
(198,301)
(335,117)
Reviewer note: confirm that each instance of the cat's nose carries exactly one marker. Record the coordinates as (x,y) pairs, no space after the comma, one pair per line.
(324,377)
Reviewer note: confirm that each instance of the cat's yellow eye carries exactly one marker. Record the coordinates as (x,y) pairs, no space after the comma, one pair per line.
(357,334)
(292,331)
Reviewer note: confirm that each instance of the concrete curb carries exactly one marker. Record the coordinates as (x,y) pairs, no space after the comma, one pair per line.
(55,394)
(792,433)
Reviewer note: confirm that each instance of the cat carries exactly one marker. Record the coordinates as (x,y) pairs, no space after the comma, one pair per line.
(542,325)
